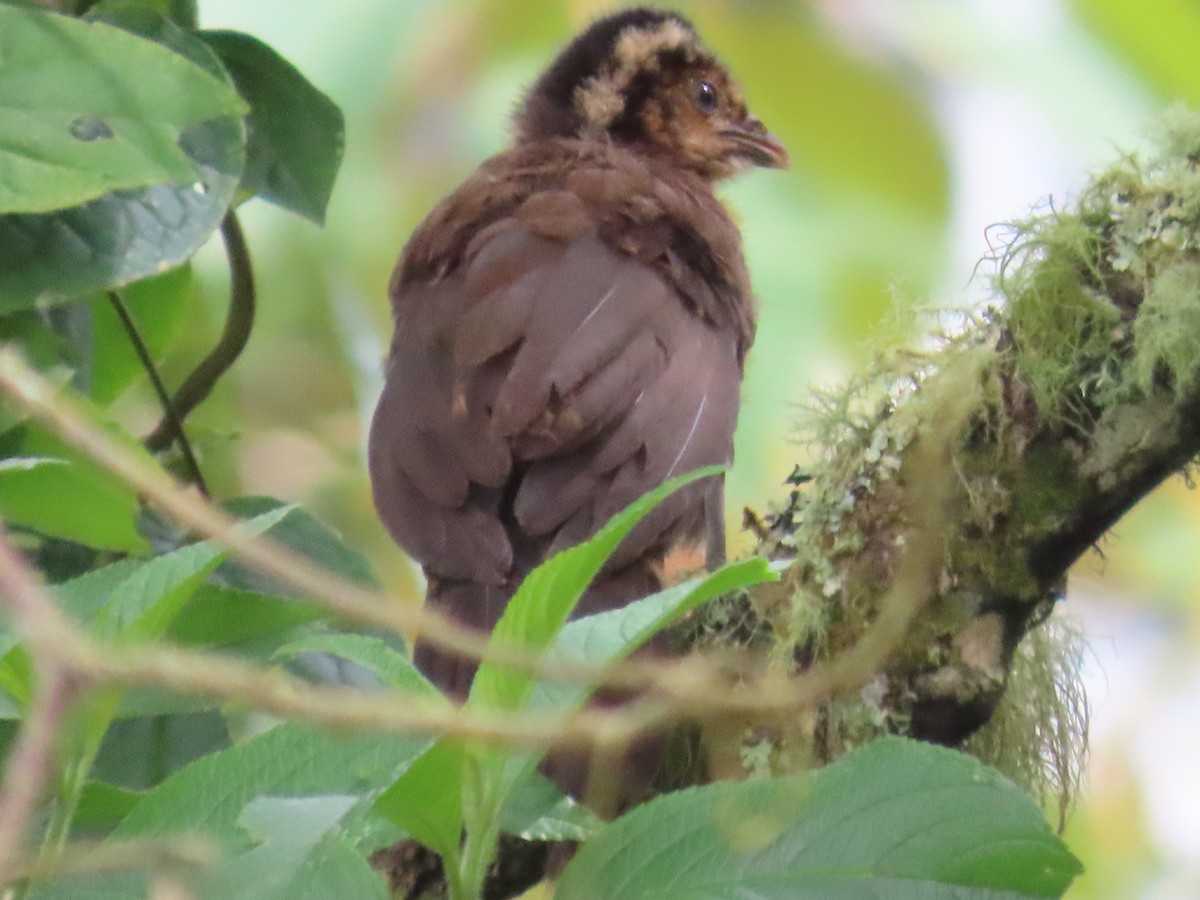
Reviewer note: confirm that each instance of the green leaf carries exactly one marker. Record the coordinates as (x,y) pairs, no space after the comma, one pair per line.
(156,306)
(538,811)
(308,536)
(62,498)
(289,760)
(146,603)
(611,636)
(545,599)
(285,833)
(127,235)
(426,801)
(373,654)
(140,752)
(218,616)
(87,109)
(896,820)
(102,806)
(296,133)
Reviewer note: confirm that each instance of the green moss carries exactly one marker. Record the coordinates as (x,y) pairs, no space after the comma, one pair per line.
(1166,334)
(1038,733)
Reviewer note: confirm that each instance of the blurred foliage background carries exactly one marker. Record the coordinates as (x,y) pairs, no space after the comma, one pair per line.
(914,125)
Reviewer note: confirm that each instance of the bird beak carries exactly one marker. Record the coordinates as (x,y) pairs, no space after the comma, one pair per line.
(752,142)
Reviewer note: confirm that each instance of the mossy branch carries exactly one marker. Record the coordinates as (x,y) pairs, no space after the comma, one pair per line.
(1083,391)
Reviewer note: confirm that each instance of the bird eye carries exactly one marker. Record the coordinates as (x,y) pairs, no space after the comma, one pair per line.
(706,96)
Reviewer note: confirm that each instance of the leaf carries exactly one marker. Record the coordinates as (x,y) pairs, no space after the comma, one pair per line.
(894,820)
(610,636)
(373,654)
(296,133)
(426,801)
(289,760)
(61,498)
(126,235)
(101,806)
(285,833)
(156,306)
(140,752)
(146,603)
(538,811)
(547,596)
(218,616)
(87,109)
(307,535)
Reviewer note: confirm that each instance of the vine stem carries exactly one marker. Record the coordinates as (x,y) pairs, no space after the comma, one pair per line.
(170,417)
(238,324)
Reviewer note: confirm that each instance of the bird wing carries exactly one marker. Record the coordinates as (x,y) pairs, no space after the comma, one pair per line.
(545,384)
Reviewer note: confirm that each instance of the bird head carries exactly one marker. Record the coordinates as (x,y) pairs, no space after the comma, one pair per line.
(642,78)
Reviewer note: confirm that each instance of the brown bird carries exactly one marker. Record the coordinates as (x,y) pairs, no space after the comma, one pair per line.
(571,328)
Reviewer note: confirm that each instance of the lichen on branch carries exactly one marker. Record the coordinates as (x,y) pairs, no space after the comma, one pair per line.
(1068,400)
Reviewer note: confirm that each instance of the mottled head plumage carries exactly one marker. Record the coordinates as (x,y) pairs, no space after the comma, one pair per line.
(633,78)
(582,90)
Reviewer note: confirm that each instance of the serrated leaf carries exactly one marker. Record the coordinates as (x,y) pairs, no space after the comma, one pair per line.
(126,235)
(101,806)
(305,534)
(283,833)
(896,820)
(373,654)
(545,599)
(87,109)
(146,603)
(290,760)
(611,636)
(296,133)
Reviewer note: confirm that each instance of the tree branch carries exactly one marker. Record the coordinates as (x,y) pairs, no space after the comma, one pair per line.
(238,324)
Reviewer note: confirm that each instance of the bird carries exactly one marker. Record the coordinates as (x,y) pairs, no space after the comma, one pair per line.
(571,330)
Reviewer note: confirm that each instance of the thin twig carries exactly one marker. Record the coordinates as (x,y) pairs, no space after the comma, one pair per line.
(238,324)
(693,686)
(29,764)
(55,641)
(170,417)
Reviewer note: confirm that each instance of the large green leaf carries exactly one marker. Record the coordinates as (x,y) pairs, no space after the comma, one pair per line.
(426,801)
(896,820)
(610,636)
(296,133)
(284,861)
(145,603)
(307,535)
(288,761)
(374,654)
(127,235)
(62,498)
(219,616)
(87,108)
(545,599)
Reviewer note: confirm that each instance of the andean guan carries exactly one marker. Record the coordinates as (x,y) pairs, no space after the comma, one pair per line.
(571,328)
